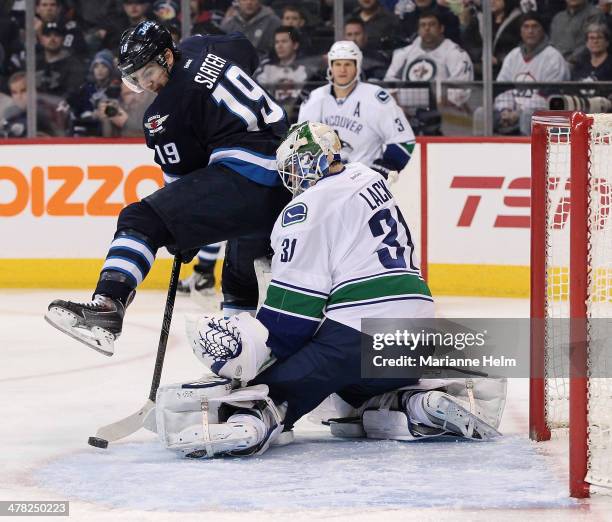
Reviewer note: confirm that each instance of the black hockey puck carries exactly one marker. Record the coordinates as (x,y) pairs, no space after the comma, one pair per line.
(97,442)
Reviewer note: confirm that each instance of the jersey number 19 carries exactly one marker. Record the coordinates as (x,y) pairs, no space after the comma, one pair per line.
(247,100)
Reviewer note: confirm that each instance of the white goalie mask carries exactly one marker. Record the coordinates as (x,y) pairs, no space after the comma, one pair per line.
(305,155)
(344,50)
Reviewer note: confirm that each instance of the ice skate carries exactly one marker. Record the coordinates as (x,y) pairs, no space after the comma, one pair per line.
(200,285)
(448,414)
(96,323)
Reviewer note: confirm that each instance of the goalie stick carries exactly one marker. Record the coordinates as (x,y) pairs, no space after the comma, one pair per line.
(131,424)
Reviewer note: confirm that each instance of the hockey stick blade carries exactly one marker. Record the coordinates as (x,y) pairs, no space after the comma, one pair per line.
(131,424)
(125,427)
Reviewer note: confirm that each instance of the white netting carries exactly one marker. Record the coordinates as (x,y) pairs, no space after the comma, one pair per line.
(599,301)
(557,273)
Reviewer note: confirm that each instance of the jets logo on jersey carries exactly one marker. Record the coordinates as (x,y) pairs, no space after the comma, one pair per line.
(294,214)
(154,124)
(524,77)
(383,96)
(421,70)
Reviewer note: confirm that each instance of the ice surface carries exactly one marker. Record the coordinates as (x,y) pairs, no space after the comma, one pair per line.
(54,393)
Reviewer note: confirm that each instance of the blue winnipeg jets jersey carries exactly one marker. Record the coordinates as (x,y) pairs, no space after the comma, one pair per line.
(212,112)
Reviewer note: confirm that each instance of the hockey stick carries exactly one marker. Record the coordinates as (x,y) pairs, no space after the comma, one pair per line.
(132,423)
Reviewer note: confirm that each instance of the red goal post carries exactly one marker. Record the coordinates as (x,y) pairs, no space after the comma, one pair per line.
(571,277)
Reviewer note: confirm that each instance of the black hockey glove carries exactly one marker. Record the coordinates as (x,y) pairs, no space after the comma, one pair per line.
(186,255)
(385,172)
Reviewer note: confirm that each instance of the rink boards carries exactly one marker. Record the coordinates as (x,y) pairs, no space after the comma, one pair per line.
(466,201)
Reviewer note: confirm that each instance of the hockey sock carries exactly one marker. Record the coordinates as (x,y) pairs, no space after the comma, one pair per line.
(207,257)
(128,262)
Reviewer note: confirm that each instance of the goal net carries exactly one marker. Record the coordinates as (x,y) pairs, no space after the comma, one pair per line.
(571,291)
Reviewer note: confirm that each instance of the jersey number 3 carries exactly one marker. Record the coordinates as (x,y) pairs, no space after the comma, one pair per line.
(385,256)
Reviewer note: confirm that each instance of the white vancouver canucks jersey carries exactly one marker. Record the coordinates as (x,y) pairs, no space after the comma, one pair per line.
(342,250)
(367,120)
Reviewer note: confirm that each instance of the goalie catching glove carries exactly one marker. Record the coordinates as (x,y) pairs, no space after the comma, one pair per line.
(234,348)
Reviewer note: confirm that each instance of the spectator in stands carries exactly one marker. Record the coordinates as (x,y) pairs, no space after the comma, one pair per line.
(9,45)
(534,60)
(378,22)
(94,107)
(165,10)
(598,66)
(546,9)
(134,12)
(285,72)
(257,22)
(430,57)
(13,120)
(605,6)
(568,28)
(409,13)
(203,19)
(506,32)
(57,72)
(293,16)
(50,11)
(375,63)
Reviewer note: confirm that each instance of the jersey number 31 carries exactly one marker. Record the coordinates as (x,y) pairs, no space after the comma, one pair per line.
(385,256)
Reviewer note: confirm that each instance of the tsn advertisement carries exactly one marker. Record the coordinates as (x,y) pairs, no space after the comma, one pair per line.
(59,201)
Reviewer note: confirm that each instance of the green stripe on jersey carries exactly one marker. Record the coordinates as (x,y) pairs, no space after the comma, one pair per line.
(295,302)
(382,286)
(409,147)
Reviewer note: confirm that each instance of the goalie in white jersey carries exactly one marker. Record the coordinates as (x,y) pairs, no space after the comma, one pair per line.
(372,127)
(342,252)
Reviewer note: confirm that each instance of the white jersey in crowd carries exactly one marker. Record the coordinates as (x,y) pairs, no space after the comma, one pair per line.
(546,66)
(367,120)
(412,63)
(284,81)
(343,250)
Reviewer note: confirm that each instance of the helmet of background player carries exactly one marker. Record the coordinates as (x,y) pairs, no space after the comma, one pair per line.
(344,50)
(305,155)
(141,45)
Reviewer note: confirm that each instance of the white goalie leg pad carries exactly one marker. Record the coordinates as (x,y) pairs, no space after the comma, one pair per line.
(469,408)
(436,409)
(206,419)
(263,271)
(234,348)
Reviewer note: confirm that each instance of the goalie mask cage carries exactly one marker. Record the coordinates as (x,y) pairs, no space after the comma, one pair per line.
(571,277)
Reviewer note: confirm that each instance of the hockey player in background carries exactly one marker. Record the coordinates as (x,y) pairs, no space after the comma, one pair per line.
(342,252)
(373,130)
(214,131)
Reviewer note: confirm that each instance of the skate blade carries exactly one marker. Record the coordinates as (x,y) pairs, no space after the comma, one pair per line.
(455,419)
(97,338)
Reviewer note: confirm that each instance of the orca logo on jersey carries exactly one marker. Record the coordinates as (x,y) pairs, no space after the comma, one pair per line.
(294,214)
(154,124)
(383,96)
(209,70)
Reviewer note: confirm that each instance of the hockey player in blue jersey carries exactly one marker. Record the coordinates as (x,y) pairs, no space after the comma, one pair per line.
(214,132)
(342,252)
